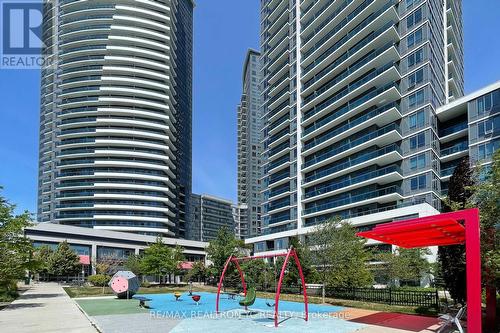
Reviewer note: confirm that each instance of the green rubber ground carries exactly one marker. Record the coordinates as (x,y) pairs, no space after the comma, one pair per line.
(110,306)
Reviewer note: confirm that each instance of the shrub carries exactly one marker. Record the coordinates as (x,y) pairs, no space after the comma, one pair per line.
(145,284)
(99,280)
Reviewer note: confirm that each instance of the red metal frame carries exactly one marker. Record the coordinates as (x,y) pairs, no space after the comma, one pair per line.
(442,229)
(287,255)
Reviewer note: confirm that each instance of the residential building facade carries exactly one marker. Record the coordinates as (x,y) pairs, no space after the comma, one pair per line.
(350,95)
(469,126)
(241,223)
(115,120)
(250,145)
(96,245)
(208,215)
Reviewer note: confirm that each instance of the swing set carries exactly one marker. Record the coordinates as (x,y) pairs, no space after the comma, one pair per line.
(290,253)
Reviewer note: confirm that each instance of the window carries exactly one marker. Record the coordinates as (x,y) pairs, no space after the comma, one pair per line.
(414,18)
(485,127)
(415,78)
(417,162)
(485,150)
(417,141)
(416,99)
(484,103)
(417,119)
(418,183)
(415,58)
(411,3)
(414,38)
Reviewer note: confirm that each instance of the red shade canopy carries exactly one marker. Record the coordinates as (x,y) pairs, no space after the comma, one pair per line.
(460,227)
(432,231)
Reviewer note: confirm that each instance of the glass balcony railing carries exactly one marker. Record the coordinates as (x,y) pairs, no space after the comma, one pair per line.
(394,189)
(351,69)
(278,148)
(279,176)
(350,87)
(332,151)
(338,27)
(327,4)
(279,190)
(279,135)
(335,185)
(366,40)
(455,148)
(278,204)
(351,104)
(448,171)
(280,161)
(320,173)
(453,129)
(375,112)
(338,130)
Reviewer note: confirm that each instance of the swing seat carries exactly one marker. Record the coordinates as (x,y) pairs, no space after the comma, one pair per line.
(249,298)
(269,304)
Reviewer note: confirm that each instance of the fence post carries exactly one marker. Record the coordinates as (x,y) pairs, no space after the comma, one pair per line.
(437,299)
(390,296)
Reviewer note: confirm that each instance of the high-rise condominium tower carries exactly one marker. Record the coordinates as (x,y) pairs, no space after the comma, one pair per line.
(115,124)
(250,146)
(350,92)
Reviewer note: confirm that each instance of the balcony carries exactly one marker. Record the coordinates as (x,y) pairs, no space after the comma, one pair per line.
(349,87)
(347,181)
(352,104)
(355,199)
(336,151)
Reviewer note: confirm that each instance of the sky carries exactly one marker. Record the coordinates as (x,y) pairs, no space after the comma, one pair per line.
(223,31)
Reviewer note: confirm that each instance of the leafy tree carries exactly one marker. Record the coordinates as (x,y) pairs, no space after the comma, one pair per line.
(133,264)
(219,249)
(16,250)
(198,272)
(42,255)
(99,280)
(452,258)
(160,259)
(258,273)
(292,276)
(487,198)
(340,255)
(64,261)
(406,264)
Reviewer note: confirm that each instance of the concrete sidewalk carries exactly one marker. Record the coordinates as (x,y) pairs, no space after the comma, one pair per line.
(44,307)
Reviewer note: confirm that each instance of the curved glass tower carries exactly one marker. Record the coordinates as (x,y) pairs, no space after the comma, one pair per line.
(115,134)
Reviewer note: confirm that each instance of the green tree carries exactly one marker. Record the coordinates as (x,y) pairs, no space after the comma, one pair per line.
(64,261)
(219,249)
(452,258)
(292,277)
(16,250)
(487,198)
(133,264)
(160,259)
(341,256)
(406,264)
(198,272)
(42,255)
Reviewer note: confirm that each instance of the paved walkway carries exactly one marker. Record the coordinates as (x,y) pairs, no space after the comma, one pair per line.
(44,307)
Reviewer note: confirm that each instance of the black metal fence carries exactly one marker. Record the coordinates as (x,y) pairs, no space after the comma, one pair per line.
(389,296)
